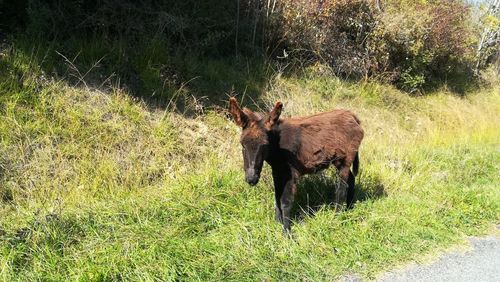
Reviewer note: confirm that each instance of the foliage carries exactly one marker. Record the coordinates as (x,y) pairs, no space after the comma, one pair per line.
(421,44)
(333,31)
(204,26)
(488,46)
(414,44)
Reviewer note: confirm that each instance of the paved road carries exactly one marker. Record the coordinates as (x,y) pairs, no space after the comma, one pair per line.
(480,264)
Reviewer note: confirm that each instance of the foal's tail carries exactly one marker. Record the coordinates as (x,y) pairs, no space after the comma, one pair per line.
(355,165)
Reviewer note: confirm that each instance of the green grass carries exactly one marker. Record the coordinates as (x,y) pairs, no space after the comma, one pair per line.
(100,186)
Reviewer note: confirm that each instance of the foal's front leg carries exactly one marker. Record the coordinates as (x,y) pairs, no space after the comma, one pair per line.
(287,199)
(284,188)
(278,191)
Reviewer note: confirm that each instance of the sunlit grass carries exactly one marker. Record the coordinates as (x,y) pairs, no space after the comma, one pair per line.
(98,186)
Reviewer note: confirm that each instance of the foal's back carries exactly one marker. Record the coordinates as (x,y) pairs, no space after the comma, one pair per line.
(321,139)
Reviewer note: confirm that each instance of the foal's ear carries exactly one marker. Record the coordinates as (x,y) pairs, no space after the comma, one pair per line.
(274,115)
(240,118)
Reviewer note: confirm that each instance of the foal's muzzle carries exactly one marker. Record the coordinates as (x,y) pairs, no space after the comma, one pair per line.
(252,180)
(251,177)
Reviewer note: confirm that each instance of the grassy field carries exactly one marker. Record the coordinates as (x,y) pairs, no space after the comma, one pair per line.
(101,186)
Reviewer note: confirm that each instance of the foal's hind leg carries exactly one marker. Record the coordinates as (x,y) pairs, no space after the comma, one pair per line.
(350,190)
(342,188)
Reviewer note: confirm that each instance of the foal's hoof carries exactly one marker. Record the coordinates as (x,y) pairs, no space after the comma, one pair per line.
(339,208)
(287,233)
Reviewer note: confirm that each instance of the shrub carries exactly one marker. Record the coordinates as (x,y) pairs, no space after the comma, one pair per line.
(413,44)
(422,42)
(333,31)
(410,43)
(205,26)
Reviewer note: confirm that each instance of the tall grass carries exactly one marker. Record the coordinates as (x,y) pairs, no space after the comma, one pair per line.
(100,186)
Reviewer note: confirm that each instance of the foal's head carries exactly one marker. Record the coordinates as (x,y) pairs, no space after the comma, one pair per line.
(254,137)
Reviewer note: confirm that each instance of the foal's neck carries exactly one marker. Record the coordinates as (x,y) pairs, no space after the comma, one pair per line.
(284,135)
(274,136)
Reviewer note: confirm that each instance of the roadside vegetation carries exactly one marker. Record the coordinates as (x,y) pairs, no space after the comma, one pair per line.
(118,160)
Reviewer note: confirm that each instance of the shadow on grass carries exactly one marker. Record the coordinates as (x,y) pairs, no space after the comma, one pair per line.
(315,192)
(163,76)
(181,55)
(152,71)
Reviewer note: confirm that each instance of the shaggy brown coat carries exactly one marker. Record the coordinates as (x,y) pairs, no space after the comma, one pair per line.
(298,146)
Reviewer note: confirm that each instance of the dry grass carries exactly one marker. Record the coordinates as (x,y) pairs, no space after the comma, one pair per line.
(97,186)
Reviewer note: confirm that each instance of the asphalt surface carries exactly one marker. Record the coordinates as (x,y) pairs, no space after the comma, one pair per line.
(479,264)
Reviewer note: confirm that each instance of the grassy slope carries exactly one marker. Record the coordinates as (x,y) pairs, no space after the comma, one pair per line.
(99,186)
